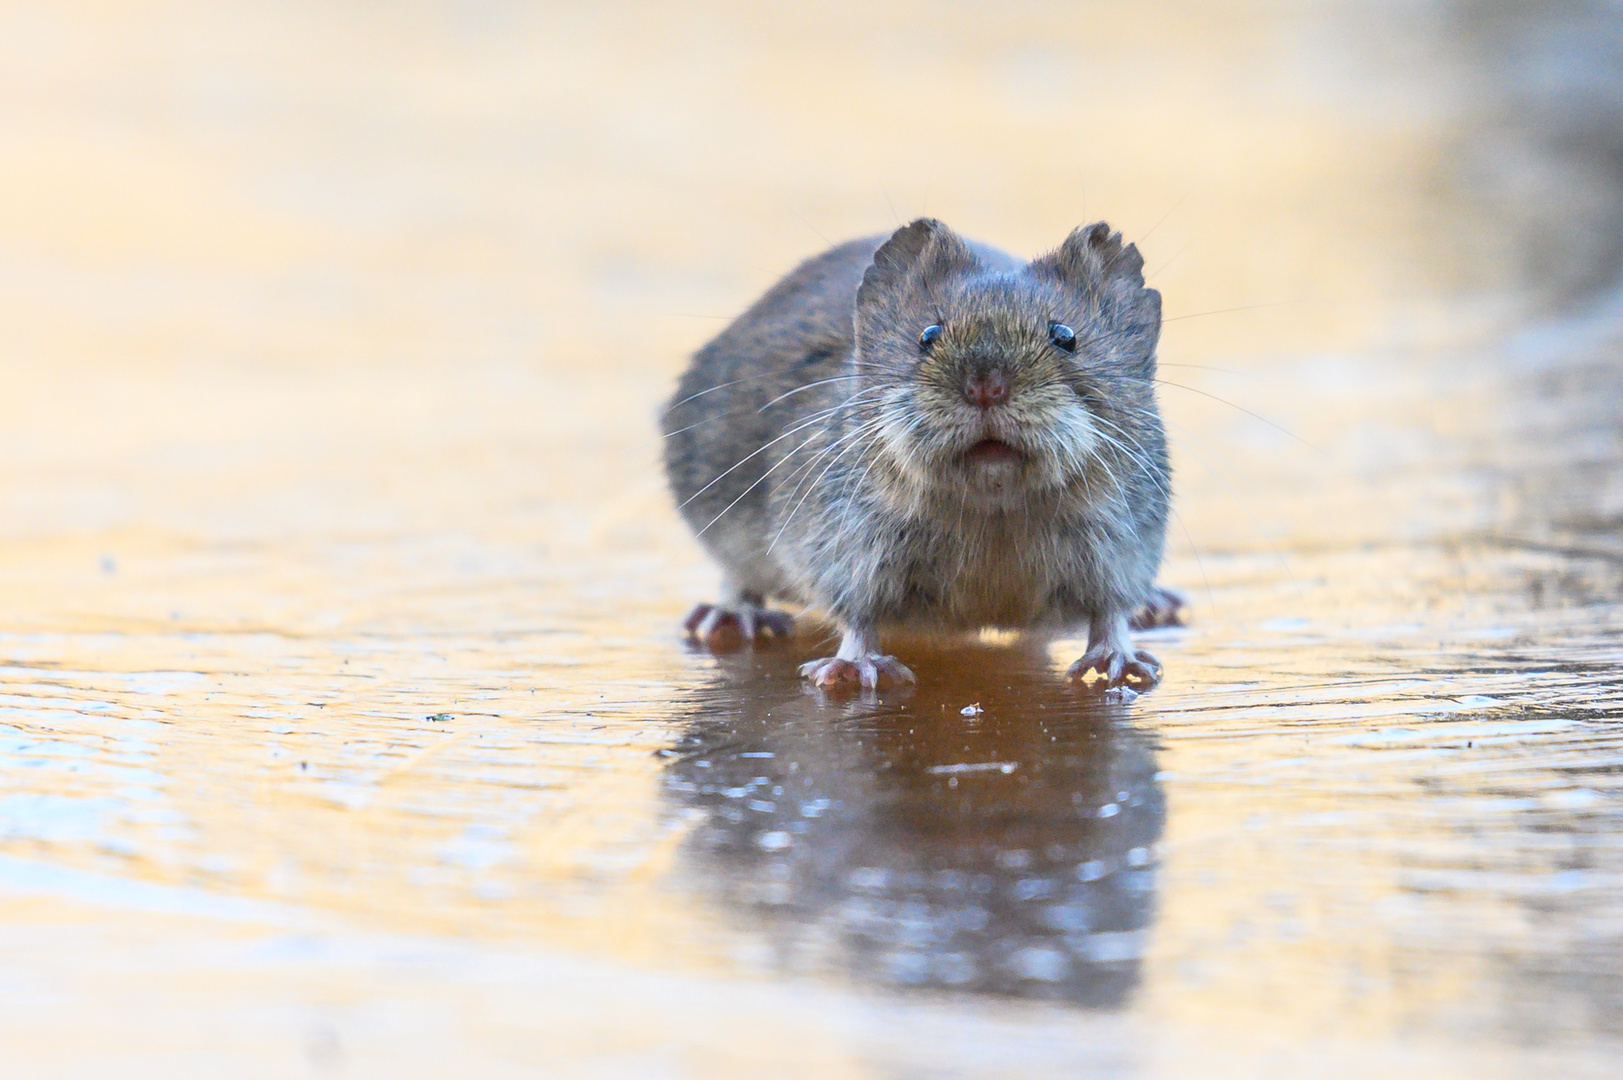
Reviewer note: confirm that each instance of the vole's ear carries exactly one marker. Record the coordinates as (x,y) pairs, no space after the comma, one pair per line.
(915,256)
(1093,259)
(1109,275)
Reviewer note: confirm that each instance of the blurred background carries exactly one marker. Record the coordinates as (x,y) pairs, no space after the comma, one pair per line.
(346,728)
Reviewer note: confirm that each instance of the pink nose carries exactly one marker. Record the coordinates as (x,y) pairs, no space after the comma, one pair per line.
(986,390)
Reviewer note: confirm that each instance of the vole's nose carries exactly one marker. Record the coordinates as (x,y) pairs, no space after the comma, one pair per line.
(986,389)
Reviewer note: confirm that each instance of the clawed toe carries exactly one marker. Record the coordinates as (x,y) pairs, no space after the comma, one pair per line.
(1142,672)
(780,623)
(871,672)
(1105,668)
(830,672)
(1162,607)
(696,617)
(722,628)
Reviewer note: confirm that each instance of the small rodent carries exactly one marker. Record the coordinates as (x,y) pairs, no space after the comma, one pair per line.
(921,430)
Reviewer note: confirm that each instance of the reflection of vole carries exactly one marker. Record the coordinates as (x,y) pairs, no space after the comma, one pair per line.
(926,431)
(1009,853)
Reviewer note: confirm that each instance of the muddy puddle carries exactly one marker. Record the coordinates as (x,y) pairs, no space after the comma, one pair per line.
(346,728)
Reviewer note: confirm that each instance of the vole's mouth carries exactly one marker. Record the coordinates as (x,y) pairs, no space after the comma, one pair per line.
(989,451)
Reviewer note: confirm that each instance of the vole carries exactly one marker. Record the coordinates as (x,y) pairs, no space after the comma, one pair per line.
(924,431)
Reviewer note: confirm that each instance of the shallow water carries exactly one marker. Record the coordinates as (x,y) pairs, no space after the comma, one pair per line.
(345,727)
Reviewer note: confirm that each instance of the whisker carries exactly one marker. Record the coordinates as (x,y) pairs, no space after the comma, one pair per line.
(775,467)
(886,193)
(733,382)
(1116,481)
(1181,200)
(781,461)
(701,423)
(818,232)
(874,429)
(845,512)
(1166,264)
(1138,459)
(762,448)
(1273,549)
(801,472)
(807,386)
(1201,367)
(1166,492)
(1277,427)
(1227,310)
(722,386)
(725,415)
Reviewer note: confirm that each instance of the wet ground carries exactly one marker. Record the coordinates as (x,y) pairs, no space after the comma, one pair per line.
(345,724)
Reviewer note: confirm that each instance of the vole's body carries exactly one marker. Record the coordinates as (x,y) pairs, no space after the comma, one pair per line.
(989,478)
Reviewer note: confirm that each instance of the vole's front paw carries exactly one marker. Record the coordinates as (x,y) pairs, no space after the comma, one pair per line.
(721,627)
(871,672)
(1116,667)
(1163,607)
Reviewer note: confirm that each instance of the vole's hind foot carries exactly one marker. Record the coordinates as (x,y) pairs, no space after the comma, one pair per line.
(1162,607)
(871,672)
(1105,667)
(722,627)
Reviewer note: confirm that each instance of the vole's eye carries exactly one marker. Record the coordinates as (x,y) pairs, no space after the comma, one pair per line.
(1062,336)
(928,335)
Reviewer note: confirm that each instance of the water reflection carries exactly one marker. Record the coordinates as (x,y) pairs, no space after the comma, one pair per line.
(1008,851)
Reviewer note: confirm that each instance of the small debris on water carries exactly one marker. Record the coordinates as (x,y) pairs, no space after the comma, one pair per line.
(1121,695)
(972,710)
(440,717)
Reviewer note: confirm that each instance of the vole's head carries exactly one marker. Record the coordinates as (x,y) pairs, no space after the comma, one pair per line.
(991,383)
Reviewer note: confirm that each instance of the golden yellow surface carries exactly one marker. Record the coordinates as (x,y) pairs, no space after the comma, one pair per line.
(340,678)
